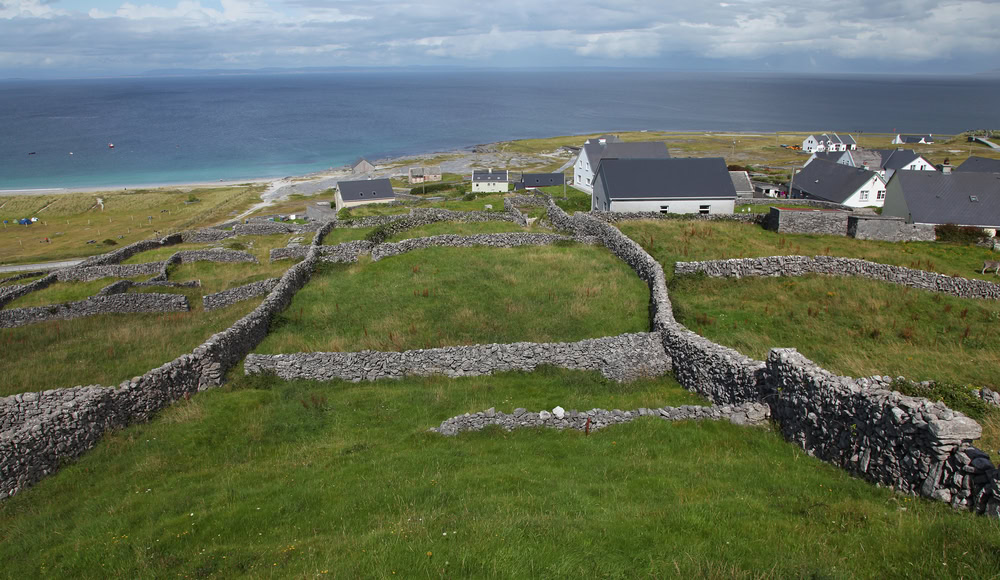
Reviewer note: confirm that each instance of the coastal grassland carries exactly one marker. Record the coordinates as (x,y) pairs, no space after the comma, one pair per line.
(60,292)
(341,235)
(454,296)
(575,200)
(216,277)
(461,229)
(671,241)
(293,479)
(855,327)
(69,221)
(104,349)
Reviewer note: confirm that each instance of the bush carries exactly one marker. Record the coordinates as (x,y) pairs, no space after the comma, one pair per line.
(236,246)
(109,242)
(469,196)
(192,198)
(959,234)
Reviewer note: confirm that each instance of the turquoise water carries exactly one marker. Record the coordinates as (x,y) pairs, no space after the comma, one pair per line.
(175,130)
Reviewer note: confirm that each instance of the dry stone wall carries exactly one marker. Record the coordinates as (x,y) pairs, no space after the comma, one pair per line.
(493,240)
(216,255)
(89,273)
(205,236)
(515,213)
(238,294)
(20,276)
(621,358)
(888,229)
(614,217)
(596,419)
(120,255)
(8,295)
(101,304)
(833,266)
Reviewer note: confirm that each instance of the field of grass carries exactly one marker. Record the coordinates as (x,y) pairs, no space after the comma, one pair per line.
(341,235)
(460,229)
(454,204)
(672,241)
(104,349)
(296,203)
(453,296)
(70,220)
(272,479)
(60,292)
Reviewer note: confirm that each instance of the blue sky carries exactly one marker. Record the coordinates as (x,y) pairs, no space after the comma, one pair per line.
(52,38)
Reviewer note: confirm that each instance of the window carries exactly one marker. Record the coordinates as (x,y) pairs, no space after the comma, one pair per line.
(864,195)
(704,209)
(664,209)
(880,194)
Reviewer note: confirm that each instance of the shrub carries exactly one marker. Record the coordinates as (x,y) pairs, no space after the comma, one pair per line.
(109,242)
(959,234)
(431,188)
(192,198)
(236,245)
(469,196)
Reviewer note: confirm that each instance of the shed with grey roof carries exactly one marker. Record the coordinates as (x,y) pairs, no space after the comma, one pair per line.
(687,185)
(850,186)
(532,180)
(930,197)
(741,182)
(364,191)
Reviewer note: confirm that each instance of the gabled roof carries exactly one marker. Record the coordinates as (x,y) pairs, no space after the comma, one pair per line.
(627,179)
(489,175)
(365,189)
(916,138)
(831,156)
(848,140)
(361,160)
(741,180)
(896,159)
(831,181)
(541,179)
(980,165)
(938,198)
(630,150)
(865,158)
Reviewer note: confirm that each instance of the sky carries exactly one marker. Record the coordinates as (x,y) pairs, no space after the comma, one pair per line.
(79,38)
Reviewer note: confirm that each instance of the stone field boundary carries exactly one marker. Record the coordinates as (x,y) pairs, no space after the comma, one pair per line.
(910,444)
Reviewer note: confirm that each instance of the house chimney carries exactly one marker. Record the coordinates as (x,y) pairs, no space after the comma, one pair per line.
(946,168)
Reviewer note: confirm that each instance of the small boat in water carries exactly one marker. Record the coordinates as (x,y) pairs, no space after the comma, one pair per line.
(111,145)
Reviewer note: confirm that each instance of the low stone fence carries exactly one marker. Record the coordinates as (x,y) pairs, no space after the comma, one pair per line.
(596,419)
(238,294)
(540,200)
(264,229)
(8,295)
(106,304)
(493,240)
(519,217)
(718,373)
(20,276)
(90,273)
(888,229)
(205,236)
(778,202)
(832,266)
(122,286)
(621,358)
(345,253)
(120,255)
(216,255)
(614,217)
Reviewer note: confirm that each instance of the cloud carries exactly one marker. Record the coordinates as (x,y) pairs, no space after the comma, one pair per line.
(139,35)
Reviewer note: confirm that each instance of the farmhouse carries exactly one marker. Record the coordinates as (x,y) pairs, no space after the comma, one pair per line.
(913,139)
(689,185)
(424,174)
(828,142)
(611,147)
(961,198)
(533,180)
(352,193)
(489,181)
(980,165)
(362,166)
(741,181)
(850,186)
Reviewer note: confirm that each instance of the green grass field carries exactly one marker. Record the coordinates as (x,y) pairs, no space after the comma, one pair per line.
(460,229)
(271,479)
(60,292)
(69,221)
(452,296)
(105,349)
(341,235)
(672,241)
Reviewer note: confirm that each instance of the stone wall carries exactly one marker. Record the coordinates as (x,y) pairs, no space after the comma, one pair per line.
(120,255)
(240,293)
(888,229)
(833,266)
(493,240)
(216,255)
(101,304)
(265,228)
(205,236)
(519,217)
(20,276)
(778,202)
(622,358)
(614,217)
(797,221)
(596,419)
(719,373)
(8,295)
(89,273)
(122,286)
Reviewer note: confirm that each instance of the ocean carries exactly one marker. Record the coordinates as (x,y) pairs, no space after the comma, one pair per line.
(190,129)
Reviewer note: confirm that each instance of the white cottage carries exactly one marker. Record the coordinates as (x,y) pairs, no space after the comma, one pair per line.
(611,147)
(489,181)
(829,142)
(688,185)
(850,186)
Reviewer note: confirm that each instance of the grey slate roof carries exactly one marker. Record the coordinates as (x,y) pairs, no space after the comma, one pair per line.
(665,178)
(541,179)
(830,181)
(365,189)
(866,158)
(848,140)
(593,147)
(630,150)
(935,198)
(896,159)
(831,156)
(917,138)
(486,175)
(741,181)
(980,165)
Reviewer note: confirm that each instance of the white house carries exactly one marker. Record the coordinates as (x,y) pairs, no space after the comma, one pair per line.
(911,139)
(489,181)
(364,191)
(362,166)
(688,185)
(900,159)
(609,146)
(850,186)
(961,198)
(829,142)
